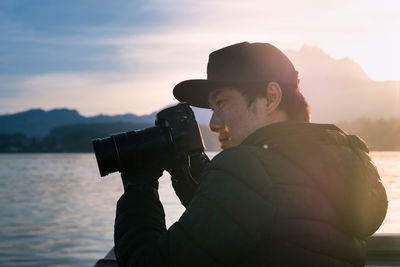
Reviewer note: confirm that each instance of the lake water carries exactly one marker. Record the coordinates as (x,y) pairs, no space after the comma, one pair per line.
(56,211)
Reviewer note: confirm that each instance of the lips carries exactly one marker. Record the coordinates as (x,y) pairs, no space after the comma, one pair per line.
(223,136)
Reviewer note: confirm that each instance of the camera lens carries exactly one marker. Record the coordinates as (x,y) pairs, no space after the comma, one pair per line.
(106,155)
(125,151)
(176,131)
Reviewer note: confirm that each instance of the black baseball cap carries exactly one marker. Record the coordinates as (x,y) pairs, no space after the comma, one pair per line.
(240,64)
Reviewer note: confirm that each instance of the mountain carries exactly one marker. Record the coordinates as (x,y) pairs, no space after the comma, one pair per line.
(65,130)
(39,123)
(312,61)
(339,89)
(78,137)
(336,89)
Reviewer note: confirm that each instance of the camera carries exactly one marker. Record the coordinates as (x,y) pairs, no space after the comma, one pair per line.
(176,135)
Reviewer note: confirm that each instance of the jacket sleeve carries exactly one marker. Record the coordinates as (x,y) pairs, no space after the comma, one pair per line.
(140,220)
(229,215)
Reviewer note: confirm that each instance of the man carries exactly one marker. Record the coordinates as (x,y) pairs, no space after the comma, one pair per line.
(283,192)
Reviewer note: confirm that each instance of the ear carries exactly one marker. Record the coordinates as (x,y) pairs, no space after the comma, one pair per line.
(274,96)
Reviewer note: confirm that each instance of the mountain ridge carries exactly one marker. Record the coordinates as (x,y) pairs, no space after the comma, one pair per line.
(38,122)
(336,89)
(313,60)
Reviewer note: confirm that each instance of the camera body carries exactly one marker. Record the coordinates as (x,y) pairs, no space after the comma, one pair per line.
(176,135)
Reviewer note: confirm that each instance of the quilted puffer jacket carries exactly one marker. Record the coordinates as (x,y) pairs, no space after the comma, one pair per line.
(292,194)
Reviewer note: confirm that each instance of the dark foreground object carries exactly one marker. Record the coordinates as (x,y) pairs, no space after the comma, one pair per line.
(383,250)
(108,261)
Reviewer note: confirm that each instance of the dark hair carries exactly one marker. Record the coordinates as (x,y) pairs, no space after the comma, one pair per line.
(293,102)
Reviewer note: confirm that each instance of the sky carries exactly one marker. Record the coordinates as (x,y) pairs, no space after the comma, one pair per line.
(125,56)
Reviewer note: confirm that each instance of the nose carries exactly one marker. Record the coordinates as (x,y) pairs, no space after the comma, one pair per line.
(216,122)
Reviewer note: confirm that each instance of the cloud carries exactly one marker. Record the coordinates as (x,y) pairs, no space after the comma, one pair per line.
(133,60)
(90,93)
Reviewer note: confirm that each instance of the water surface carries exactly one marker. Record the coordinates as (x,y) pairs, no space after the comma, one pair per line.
(56,211)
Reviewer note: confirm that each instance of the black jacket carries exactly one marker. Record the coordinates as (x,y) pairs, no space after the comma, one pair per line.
(292,194)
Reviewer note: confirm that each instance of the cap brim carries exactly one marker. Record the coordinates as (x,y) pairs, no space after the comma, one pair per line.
(195,92)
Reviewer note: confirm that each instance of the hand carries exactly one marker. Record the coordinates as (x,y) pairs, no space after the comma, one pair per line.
(184,189)
(147,175)
(185,176)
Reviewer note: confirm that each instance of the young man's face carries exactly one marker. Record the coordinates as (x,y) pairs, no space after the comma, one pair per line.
(233,119)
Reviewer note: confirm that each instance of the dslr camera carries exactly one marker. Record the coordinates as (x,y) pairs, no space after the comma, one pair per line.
(176,138)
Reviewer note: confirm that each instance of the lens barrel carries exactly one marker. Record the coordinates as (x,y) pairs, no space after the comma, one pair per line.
(106,155)
(128,150)
(176,133)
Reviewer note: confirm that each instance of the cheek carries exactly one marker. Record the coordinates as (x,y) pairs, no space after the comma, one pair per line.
(233,120)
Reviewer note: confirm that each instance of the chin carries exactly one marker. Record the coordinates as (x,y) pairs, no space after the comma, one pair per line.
(226,145)
(222,146)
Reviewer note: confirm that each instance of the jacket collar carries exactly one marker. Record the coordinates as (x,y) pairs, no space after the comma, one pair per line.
(277,132)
